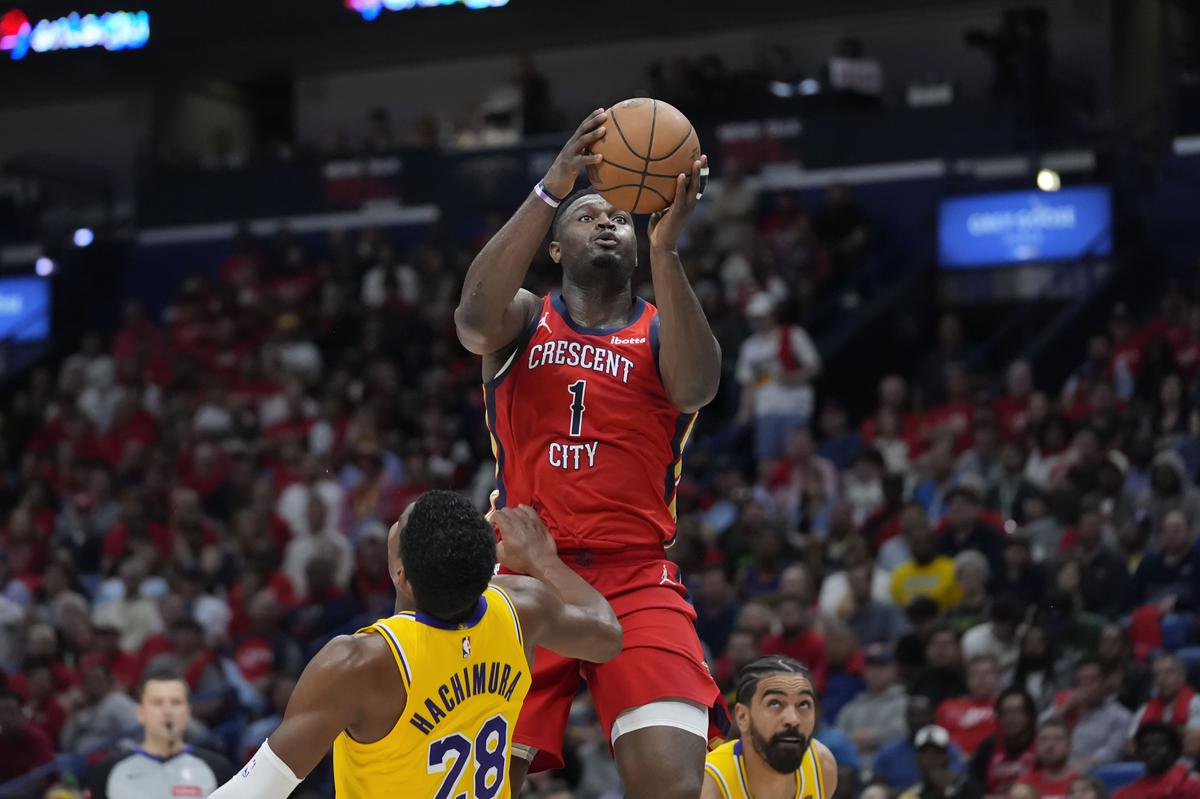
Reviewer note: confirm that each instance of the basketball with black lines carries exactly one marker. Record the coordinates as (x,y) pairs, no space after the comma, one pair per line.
(647,143)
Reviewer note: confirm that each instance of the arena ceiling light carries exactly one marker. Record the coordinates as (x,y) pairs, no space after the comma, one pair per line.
(83,237)
(44,267)
(1048,180)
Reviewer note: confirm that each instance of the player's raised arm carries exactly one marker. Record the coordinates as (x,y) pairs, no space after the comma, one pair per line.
(557,607)
(327,700)
(689,356)
(493,308)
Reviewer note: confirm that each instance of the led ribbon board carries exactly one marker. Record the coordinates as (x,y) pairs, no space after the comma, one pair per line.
(114,30)
(371,9)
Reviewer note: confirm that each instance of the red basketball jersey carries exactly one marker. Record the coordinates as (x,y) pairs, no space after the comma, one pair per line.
(583,430)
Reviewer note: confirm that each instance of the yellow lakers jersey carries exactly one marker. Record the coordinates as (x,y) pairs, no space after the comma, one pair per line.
(727,769)
(466,683)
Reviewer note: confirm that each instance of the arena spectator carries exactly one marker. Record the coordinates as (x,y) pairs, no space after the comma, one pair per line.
(23,745)
(966,529)
(874,718)
(1159,748)
(107,712)
(1104,578)
(1008,755)
(971,719)
(1052,777)
(938,779)
(775,369)
(1037,671)
(1127,679)
(939,477)
(1021,578)
(798,637)
(1008,489)
(996,637)
(896,763)
(928,573)
(971,572)
(942,676)
(874,620)
(1174,702)
(136,616)
(1099,724)
(1170,489)
(1170,577)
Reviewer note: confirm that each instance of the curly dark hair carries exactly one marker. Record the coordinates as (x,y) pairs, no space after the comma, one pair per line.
(449,554)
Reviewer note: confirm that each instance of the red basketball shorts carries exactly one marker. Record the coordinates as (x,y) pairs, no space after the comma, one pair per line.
(661,658)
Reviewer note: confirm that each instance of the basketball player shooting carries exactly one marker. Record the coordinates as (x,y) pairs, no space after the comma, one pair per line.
(591,395)
(423,703)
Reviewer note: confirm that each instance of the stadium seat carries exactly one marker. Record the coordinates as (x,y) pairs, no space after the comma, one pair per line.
(1176,628)
(1190,655)
(1118,775)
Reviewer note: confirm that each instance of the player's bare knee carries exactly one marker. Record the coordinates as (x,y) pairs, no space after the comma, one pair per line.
(666,781)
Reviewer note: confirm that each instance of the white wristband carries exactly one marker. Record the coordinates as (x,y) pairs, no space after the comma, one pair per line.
(264,777)
(547,197)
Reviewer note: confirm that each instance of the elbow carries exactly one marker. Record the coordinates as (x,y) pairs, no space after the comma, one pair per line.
(692,398)
(471,329)
(614,641)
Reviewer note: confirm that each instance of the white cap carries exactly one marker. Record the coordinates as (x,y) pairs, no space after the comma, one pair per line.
(761,304)
(933,735)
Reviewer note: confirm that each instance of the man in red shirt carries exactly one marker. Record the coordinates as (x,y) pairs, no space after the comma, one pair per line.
(23,746)
(971,719)
(1053,776)
(797,638)
(1159,747)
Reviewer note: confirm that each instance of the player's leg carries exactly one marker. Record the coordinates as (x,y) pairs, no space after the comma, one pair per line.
(654,700)
(660,761)
(538,738)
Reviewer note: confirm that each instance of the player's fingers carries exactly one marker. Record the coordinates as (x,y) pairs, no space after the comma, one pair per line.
(593,135)
(681,182)
(589,123)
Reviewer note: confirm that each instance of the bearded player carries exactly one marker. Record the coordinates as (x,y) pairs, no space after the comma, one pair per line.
(591,395)
(776,756)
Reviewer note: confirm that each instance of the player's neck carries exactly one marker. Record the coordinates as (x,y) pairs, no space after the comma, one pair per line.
(598,305)
(764,781)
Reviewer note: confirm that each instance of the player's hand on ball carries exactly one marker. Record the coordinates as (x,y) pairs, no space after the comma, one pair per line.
(666,226)
(525,543)
(574,157)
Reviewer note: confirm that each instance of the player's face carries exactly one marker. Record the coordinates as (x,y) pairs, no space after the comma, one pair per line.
(780,720)
(594,235)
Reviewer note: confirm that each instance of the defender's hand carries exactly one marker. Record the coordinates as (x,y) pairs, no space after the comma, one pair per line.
(560,178)
(526,546)
(665,226)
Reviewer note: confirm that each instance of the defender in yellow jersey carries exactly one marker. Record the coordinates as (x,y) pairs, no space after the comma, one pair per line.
(776,756)
(423,704)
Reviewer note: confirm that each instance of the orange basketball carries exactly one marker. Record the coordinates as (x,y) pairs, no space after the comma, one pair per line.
(647,144)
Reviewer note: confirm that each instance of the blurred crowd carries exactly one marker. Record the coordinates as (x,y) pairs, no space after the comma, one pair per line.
(208,488)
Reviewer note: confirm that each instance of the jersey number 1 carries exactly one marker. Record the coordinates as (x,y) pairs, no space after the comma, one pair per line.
(491,760)
(577,390)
